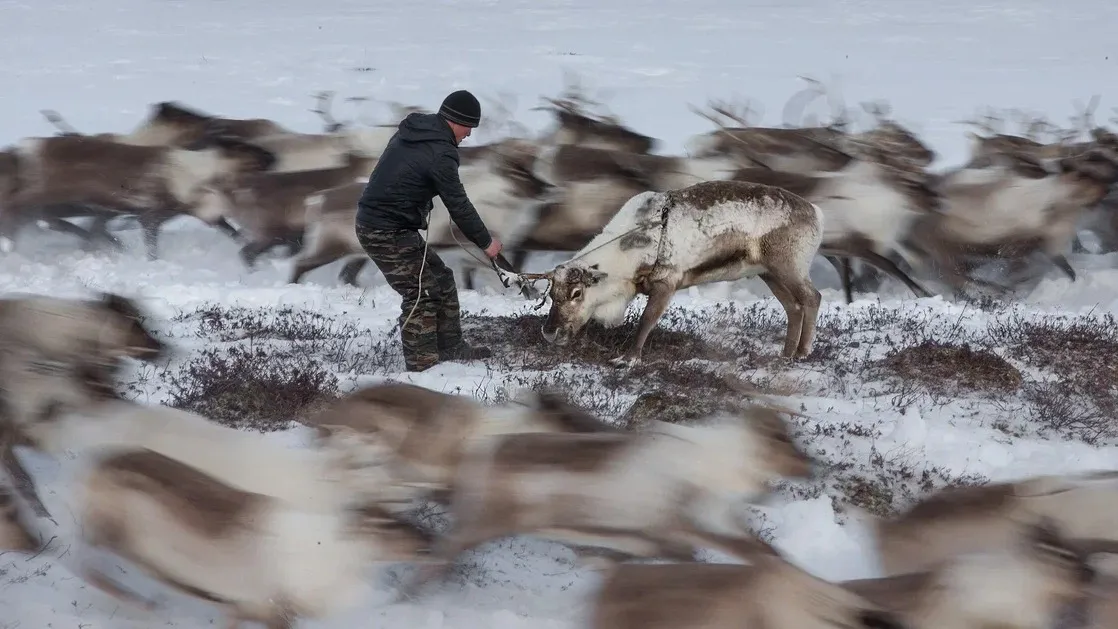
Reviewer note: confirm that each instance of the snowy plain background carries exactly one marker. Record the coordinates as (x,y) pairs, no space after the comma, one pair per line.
(102,63)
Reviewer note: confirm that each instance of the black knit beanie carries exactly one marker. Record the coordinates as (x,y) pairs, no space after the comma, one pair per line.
(461,107)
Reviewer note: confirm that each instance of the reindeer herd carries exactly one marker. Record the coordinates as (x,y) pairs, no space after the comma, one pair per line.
(282,534)
(274,534)
(265,185)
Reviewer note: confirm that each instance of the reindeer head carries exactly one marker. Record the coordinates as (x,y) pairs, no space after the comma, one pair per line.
(15,532)
(578,290)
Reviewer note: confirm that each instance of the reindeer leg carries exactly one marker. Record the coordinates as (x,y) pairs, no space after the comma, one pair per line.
(1062,263)
(519,257)
(658,299)
(842,267)
(793,311)
(847,274)
(108,585)
(350,271)
(250,252)
(100,230)
(66,227)
(224,226)
(304,265)
(150,222)
(890,267)
(19,475)
(468,277)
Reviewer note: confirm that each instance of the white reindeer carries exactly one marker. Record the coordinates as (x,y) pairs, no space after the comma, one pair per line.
(661,491)
(662,242)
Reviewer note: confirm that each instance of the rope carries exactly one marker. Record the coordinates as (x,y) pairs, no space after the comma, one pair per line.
(501,273)
(422,265)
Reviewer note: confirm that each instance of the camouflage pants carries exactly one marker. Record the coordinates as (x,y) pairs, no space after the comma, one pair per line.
(435,325)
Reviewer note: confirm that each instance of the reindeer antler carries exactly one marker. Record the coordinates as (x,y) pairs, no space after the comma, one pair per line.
(502,119)
(801,100)
(988,122)
(323,110)
(747,150)
(58,121)
(1085,119)
(879,109)
(740,115)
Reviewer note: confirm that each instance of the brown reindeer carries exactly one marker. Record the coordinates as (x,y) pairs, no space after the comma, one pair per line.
(662,491)
(803,150)
(270,207)
(422,434)
(662,242)
(959,520)
(771,593)
(260,557)
(60,175)
(1024,585)
(868,206)
(173,124)
(498,179)
(316,151)
(1012,209)
(58,355)
(569,163)
(574,125)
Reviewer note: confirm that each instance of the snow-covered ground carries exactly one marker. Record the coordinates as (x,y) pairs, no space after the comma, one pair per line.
(100,64)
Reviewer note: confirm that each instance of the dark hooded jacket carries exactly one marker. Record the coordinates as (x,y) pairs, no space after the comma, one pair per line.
(419,162)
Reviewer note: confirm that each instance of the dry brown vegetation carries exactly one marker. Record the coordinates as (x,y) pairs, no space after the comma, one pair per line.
(262,368)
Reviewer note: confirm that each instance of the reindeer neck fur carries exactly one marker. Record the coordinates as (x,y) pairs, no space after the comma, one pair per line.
(323,560)
(249,461)
(610,297)
(544,165)
(369,141)
(509,419)
(187,170)
(1009,206)
(859,201)
(721,455)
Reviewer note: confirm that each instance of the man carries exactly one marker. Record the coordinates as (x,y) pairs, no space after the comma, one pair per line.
(421,161)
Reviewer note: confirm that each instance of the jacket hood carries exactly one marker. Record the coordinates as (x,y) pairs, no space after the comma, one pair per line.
(420,127)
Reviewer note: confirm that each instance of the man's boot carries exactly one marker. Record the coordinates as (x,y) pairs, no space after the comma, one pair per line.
(457,349)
